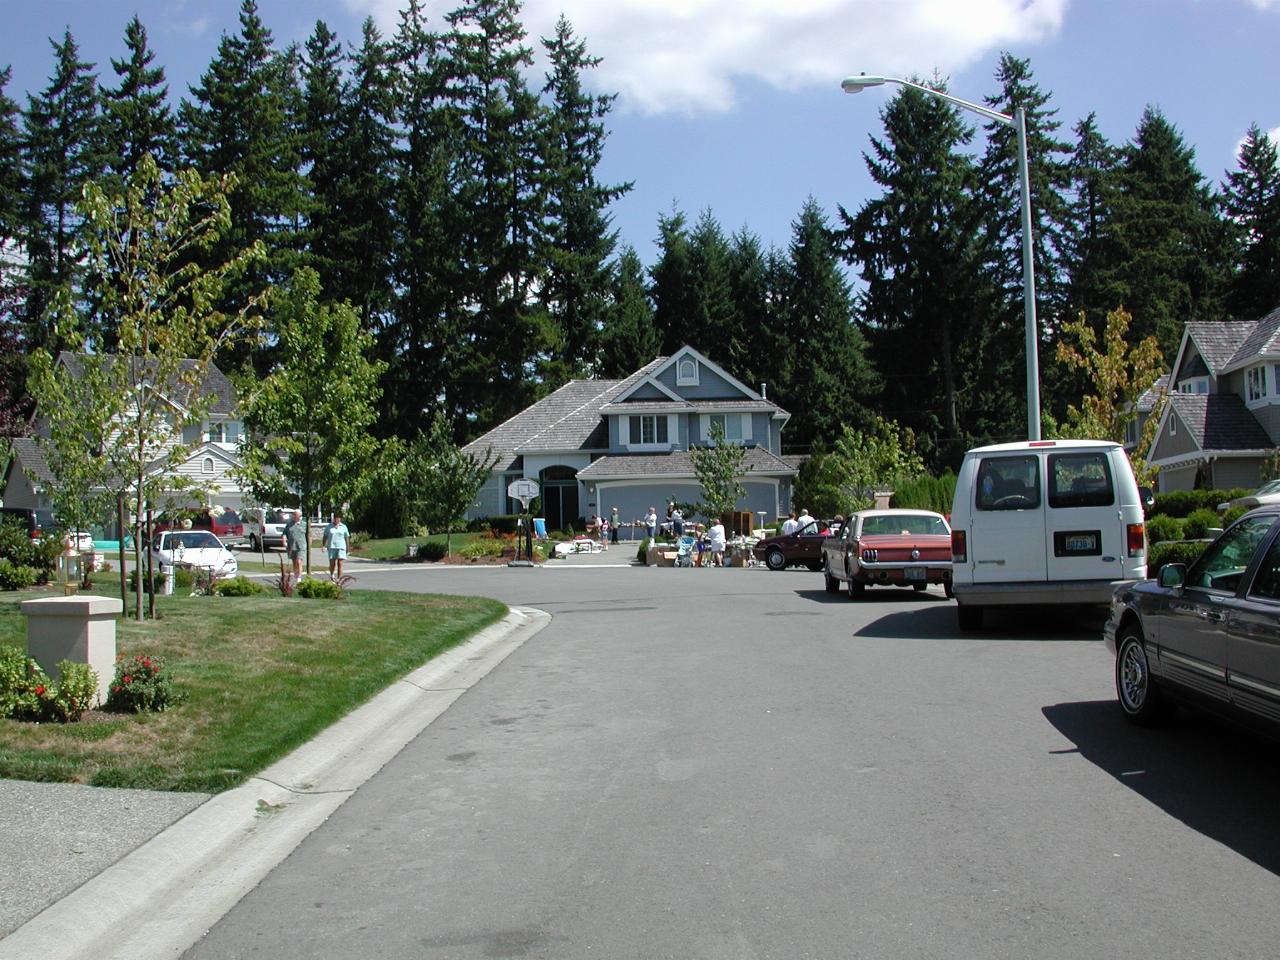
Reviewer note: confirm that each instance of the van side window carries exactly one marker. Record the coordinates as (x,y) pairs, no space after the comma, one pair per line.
(1080,480)
(1008,483)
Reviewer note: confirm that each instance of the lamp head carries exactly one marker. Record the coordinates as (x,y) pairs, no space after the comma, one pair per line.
(860,82)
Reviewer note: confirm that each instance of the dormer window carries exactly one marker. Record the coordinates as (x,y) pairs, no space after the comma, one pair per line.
(687,372)
(218,432)
(1256,380)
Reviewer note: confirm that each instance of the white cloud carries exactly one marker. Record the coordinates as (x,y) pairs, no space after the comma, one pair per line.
(689,55)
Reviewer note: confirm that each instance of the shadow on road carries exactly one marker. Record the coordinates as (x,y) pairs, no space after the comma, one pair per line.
(931,621)
(1218,779)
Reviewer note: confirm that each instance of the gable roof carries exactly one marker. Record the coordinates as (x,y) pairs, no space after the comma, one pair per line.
(27,454)
(566,419)
(1218,421)
(1216,341)
(214,388)
(1147,402)
(1263,340)
(662,363)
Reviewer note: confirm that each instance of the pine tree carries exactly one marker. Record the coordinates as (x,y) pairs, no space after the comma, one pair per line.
(756,335)
(64,151)
(323,161)
(918,258)
(628,339)
(1166,251)
(136,114)
(579,239)
(497,213)
(825,371)
(243,121)
(12,181)
(1251,201)
(711,296)
(672,284)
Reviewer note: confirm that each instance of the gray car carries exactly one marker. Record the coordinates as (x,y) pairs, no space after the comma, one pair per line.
(1208,633)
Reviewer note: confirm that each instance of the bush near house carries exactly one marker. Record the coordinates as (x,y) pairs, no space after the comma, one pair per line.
(1199,522)
(1181,503)
(926,493)
(1162,528)
(1182,551)
(40,556)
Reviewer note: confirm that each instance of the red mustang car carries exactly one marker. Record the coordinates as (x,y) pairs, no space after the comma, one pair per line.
(900,548)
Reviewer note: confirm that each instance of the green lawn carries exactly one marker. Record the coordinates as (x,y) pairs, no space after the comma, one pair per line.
(261,675)
(393,548)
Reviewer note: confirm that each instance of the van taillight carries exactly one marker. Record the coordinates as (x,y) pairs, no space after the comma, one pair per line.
(1137,540)
(959,551)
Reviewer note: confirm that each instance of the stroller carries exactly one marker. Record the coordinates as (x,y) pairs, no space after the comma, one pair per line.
(685,551)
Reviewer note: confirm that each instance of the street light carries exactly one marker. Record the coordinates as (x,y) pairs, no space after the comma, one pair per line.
(1019,123)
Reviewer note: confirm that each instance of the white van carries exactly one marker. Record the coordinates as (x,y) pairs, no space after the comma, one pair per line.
(1044,521)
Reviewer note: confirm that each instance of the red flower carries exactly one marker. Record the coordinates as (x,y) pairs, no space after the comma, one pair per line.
(40,690)
(127,678)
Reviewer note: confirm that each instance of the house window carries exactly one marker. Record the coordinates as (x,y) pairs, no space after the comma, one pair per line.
(687,373)
(217,433)
(1257,382)
(730,423)
(206,465)
(648,430)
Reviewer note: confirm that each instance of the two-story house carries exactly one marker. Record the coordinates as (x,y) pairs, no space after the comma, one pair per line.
(596,445)
(211,462)
(1222,420)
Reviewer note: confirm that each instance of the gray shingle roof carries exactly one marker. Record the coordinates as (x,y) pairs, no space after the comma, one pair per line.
(1264,338)
(28,453)
(1147,402)
(758,461)
(215,388)
(566,419)
(1219,341)
(1220,421)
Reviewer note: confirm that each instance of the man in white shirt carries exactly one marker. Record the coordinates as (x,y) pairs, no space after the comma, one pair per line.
(803,519)
(789,525)
(716,535)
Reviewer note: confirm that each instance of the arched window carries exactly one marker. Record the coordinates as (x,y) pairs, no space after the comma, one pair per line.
(687,372)
(207,465)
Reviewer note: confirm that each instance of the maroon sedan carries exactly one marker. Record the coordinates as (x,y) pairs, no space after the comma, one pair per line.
(801,548)
(900,548)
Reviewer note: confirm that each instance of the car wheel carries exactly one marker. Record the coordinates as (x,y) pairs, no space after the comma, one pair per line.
(948,589)
(919,586)
(253,542)
(856,589)
(775,560)
(1141,698)
(969,617)
(832,584)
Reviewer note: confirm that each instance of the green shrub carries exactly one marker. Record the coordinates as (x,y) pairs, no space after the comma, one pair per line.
(73,694)
(141,684)
(1181,551)
(482,547)
(1162,528)
(357,540)
(1232,515)
(240,586)
(926,493)
(432,550)
(15,577)
(506,523)
(26,693)
(19,549)
(20,677)
(1181,503)
(1197,524)
(314,589)
(182,580)
(642,554)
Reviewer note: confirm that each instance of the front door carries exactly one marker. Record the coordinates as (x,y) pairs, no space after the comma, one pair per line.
(559,497)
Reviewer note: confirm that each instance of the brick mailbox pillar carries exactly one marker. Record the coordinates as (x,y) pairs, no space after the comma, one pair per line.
(81,629)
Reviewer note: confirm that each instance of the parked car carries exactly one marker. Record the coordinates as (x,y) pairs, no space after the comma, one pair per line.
(1044,522)
(802,548)
(1266,494)
(1209,632)
(223,522)
(264,528)
(196,549)
(901,548)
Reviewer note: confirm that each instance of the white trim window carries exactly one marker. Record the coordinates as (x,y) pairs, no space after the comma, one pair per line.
(648,430)
(1256,379)
(736,426)
(217,432)
(686,372)
(206,466)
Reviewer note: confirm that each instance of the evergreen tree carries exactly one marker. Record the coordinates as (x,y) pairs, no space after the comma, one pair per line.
(12,182)
(320,150)
(918,258)
(672,284)
(64,151)
(242,121)
(628,339)
(1166,252)
(136,114)
(825,372)
(579,240)
(711,304)
(1251,201)
(756,335)
(497,212)
(422,343)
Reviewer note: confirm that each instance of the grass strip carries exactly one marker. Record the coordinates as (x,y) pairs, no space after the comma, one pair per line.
(260,676)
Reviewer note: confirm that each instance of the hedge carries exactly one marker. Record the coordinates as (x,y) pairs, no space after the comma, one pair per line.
(1181,503)
(1180,551)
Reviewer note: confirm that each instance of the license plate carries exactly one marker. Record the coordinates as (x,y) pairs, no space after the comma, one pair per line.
(916,573)
(1082,543)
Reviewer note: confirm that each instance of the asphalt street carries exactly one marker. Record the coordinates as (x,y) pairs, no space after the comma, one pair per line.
(735,764)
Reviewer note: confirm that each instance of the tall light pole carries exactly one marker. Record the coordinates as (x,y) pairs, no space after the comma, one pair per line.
(1019,123)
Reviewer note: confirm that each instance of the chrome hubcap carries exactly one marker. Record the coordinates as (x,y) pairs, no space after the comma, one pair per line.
(1133,676)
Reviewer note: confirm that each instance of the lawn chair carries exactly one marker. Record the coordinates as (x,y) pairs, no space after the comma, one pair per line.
(540,528)
(685,551)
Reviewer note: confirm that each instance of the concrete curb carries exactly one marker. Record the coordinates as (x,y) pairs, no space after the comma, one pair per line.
(161,898)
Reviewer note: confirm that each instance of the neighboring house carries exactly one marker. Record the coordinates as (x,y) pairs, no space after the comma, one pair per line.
(594,445)
(212,461)
(1142,412)
(1222,420)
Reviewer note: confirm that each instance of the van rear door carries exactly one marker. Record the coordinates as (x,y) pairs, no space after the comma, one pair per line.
(1086,535)
(1006,539)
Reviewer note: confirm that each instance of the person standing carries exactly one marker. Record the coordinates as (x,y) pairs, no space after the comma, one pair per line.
(651,523)
(789,525)
(717,537)
(613,525)
(804,518)
(335,540)
(677,522)
(295,542)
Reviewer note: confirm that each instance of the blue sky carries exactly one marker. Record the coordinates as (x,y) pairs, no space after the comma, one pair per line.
(736,106)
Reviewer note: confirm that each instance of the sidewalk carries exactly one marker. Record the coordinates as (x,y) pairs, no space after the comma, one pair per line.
(147,873)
